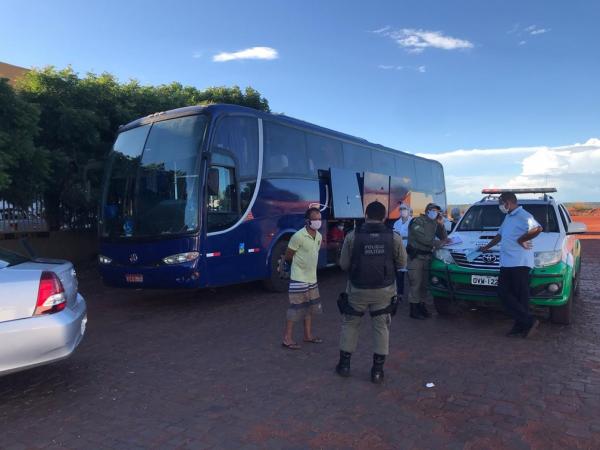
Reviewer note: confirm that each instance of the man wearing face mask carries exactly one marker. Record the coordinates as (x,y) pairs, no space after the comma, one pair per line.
(303,254)
(401,227)
(422,233)
(516,261)
(371,254)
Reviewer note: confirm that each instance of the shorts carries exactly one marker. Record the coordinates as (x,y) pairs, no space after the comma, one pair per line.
(304,299)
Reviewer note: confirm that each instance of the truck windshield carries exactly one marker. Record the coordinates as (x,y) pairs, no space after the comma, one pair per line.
(489,217)
(152,180)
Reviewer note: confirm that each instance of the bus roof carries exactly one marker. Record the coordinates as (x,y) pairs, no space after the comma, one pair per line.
(224,108)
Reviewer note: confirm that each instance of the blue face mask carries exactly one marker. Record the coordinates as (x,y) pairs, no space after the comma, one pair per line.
(432,214)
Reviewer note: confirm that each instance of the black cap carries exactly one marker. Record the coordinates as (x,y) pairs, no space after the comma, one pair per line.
(432,206)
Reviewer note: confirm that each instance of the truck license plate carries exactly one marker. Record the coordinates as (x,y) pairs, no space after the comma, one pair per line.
(484,280)
(134,278)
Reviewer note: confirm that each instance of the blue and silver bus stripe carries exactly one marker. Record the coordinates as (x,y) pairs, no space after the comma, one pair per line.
(256,189)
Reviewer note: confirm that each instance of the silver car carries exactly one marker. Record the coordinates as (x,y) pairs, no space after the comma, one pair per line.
(42,314)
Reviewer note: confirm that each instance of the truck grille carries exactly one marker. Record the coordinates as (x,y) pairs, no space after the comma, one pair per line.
(483,261)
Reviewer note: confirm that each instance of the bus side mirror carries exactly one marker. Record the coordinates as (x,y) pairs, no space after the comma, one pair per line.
(213,181)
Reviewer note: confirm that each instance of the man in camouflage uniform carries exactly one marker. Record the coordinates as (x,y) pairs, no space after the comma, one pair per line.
(371,254)
(422,242)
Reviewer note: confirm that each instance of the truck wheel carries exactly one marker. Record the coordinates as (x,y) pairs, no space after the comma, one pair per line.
(278,280)
(562,314)
(445,306)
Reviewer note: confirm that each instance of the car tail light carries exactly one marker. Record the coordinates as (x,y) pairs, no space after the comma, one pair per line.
(51,295)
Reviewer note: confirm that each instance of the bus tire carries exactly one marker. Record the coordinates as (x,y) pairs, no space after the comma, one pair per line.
(562,314)
(277,281)
(445,306)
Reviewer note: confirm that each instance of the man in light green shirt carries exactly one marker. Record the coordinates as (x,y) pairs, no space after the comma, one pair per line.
(303,253)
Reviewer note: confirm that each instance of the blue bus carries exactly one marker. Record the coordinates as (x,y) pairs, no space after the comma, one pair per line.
(209,195)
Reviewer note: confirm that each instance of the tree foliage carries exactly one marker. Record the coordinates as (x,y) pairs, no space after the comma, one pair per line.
(23,165)
(57,129)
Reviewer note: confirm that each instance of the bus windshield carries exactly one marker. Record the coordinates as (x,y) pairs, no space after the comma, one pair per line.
(152,180)
(489,217)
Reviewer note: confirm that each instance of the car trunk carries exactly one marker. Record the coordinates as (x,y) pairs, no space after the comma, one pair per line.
(20,283)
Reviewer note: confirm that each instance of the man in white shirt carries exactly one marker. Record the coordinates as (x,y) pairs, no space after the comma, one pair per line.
(516,261)
(401,227)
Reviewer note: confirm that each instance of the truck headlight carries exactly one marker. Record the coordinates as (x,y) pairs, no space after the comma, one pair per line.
(443,254)
(181,258)
(545,259)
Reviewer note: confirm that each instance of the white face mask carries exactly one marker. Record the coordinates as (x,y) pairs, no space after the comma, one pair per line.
(503,209)
(432,214)
(341,227)
(404,213)
(315,224)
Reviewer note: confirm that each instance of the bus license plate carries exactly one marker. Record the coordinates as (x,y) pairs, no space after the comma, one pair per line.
(134,278)
(484,280)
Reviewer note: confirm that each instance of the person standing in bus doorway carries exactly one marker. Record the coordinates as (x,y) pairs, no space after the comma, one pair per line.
(516,261)
(303,254)
(371,255)
(422,233)
(401,227)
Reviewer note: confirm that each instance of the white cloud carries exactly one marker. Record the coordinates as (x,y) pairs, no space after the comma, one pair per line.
(522,42)
(381,30)
(420,69)
(416,41)
(572,169)
(197,55)
(539,31)
(249,53)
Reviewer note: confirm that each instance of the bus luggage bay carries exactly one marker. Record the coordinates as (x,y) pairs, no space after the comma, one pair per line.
(210,195)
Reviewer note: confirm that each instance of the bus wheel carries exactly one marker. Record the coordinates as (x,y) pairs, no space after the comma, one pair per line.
(278,280)
(445,306)
(562,314)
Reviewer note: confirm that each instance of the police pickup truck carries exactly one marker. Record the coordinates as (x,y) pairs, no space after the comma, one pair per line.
(461,274)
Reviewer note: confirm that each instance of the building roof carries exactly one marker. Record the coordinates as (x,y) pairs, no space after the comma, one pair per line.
(13,73)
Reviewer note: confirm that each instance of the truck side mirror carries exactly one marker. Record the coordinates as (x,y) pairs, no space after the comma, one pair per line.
(577,228)
(213,181)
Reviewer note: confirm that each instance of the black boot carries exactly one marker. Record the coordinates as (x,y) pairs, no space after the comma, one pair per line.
(343,367)
(423,310)
(377,369)
(415,312)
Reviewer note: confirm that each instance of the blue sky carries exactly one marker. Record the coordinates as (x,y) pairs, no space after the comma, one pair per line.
(521,78)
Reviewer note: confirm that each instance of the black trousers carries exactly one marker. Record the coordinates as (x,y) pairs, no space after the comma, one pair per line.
(513,290)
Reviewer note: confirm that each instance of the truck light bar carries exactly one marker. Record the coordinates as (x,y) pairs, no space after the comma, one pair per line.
(519,190)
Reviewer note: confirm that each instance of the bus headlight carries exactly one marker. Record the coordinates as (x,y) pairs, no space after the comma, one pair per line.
(104,259)
(544,259)
(443,254)
(181,258)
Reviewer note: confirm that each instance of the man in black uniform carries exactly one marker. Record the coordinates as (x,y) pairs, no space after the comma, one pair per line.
(371,255)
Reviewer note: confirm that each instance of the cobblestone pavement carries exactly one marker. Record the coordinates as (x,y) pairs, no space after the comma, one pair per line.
(206,370)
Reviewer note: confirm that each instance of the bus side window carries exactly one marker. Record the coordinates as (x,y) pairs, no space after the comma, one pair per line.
(357,158)
(234,154)
(323,153)
(285,150)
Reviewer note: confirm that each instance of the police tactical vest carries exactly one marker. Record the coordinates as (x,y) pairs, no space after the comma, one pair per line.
(372,265)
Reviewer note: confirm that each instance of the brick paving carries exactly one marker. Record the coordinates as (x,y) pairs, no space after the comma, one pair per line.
(206,370)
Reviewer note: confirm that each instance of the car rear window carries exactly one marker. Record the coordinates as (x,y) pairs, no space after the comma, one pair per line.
(8,258)
(489,217)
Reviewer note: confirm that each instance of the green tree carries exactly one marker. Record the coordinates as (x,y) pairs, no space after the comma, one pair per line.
(23,165)
(79,117)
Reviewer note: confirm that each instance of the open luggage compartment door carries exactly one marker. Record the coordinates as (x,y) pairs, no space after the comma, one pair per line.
(347,201)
